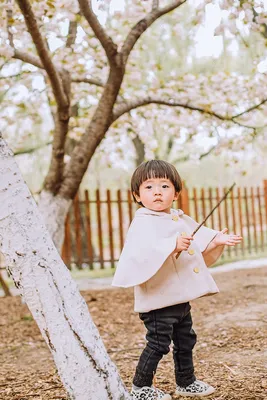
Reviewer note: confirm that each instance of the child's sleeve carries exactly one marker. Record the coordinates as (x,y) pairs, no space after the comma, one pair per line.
(146,248)
(202,239)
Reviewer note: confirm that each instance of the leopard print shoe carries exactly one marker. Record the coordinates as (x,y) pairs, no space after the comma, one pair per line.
(149,393)
(195,389)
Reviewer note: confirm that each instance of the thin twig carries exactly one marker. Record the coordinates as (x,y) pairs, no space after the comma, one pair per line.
(214,208)
(230,369)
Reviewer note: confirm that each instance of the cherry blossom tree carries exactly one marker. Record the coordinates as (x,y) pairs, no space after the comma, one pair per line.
(63,179)
(102,57)
(98,78)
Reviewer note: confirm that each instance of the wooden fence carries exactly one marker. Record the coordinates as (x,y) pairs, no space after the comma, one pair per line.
(97,223)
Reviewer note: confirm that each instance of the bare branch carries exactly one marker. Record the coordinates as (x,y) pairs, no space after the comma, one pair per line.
(145,23)
(247,126)
(35,61)
(9,15)
(250,109)
(71,33)
(91,81)
(43,52)
(32,149)
(127,106)
(14,76)
(28,58)
(263,26)
(121,109)
(3,64)
(139,149)
(203,155)
(3,94)
(208,152)
(61,85)
(155,4)
(107,43)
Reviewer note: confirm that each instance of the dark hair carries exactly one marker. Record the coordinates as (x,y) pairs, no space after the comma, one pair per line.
(155,169)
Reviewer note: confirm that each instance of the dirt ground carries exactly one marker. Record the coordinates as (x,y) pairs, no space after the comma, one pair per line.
(231,353)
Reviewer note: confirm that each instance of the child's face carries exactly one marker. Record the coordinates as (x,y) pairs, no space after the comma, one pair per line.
(157,194)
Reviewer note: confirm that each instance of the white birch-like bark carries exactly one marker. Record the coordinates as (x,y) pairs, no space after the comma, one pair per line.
(54,210)
(51,294)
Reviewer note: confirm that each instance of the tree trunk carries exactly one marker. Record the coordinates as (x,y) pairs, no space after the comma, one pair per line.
(54,210)
(50,293)
(140,150)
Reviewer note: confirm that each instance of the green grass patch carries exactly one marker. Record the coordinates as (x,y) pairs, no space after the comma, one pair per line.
(92,274)
(27,317)
(108,272)
(226,260)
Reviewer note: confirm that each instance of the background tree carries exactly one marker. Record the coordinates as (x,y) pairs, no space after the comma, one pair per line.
(92,94)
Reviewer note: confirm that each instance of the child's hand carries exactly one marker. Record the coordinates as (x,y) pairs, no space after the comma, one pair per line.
(229,240)
(183,242)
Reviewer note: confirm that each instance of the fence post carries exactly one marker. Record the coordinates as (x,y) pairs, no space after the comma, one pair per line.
(78,236)
(184,200)
(265,195)
(66,247)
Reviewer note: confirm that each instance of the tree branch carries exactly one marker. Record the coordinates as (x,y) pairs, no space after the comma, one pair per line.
(145,23)
(14,76)
(91,81)
(155,4)
(247,126)
(121,109)
(2,94)
(9,15)
(250,109)
(126,107)
(35,61)
(107,43)
(61,87)
(72,32)
(140,150)
(263,26)
(31,150)
(28,58)
(203,155)
(208,152)
(4,63)
(43,52)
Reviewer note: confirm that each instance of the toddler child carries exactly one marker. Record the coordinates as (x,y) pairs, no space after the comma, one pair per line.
(167,268)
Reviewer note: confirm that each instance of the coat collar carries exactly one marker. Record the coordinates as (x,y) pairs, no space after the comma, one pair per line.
(147,211)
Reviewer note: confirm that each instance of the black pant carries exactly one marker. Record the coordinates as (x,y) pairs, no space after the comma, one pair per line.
(167,324)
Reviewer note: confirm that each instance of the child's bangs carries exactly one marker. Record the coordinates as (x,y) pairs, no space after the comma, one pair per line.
(156,171)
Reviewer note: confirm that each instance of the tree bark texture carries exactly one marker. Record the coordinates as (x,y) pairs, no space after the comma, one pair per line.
(139,149)
(54,210)
(93,135)
(51,294)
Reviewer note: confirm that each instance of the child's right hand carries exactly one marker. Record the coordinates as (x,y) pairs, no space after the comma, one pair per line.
(183,242)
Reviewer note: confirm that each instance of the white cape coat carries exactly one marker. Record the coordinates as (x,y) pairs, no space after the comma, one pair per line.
(151,239)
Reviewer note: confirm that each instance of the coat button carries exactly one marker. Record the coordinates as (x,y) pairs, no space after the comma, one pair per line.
(175,217)
(191,252)
(196,270)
